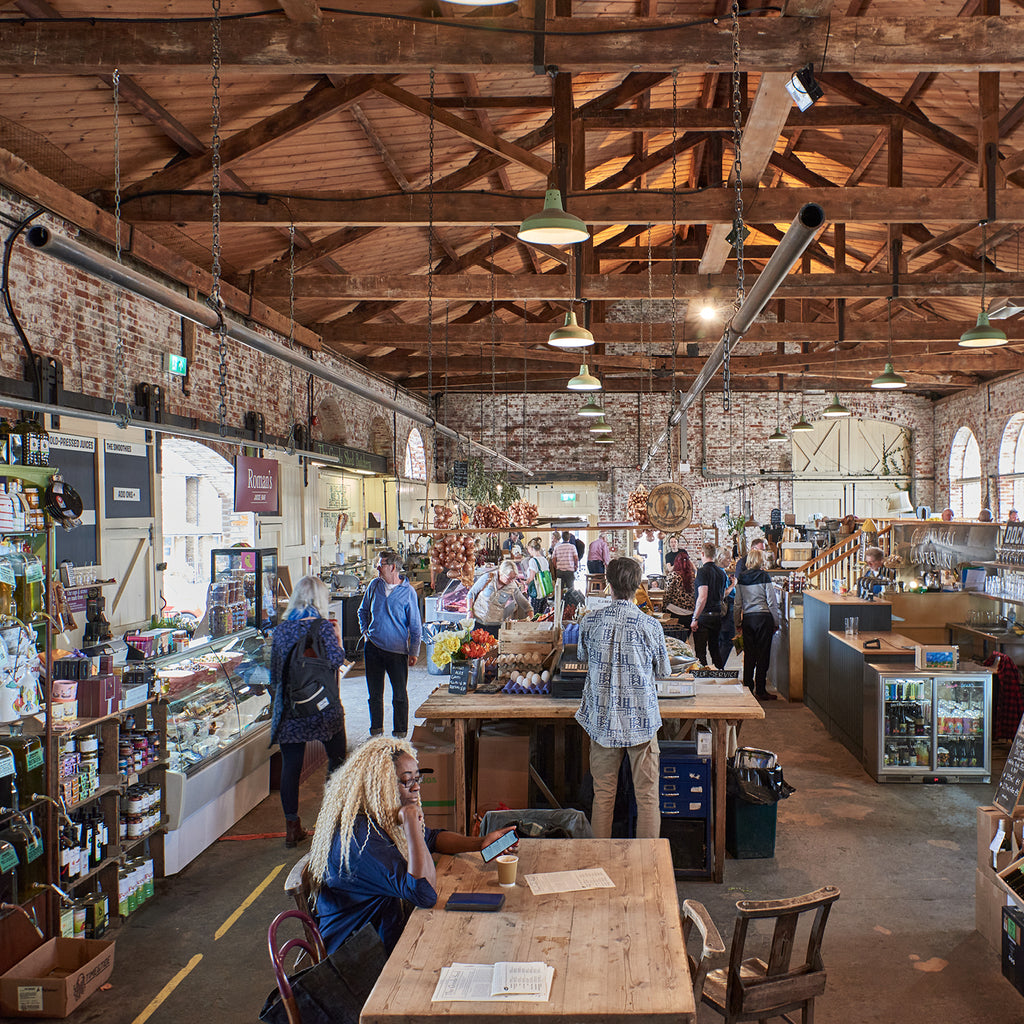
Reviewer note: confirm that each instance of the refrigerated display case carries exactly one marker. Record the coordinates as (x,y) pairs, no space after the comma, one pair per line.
(243,589)
(218,722)
(921,725)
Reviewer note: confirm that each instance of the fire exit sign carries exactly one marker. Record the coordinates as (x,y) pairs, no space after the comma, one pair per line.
(178,365)
(568,495)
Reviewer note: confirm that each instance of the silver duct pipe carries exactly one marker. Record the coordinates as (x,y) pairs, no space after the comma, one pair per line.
(77,255)
(801,232)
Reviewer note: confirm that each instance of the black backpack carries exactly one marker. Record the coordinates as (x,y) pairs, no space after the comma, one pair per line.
(310,679)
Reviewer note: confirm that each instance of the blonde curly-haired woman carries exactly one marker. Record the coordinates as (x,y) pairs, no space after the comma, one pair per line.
(370,860)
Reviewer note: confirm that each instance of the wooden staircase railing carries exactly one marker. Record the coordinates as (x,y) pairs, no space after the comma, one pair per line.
(842,560)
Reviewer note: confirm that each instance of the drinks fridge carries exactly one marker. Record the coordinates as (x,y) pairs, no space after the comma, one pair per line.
(924,725)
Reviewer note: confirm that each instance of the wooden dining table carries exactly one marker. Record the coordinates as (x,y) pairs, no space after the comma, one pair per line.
(719,705)
(617,954)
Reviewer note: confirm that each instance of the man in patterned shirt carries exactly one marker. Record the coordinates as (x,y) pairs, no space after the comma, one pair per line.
(622,647)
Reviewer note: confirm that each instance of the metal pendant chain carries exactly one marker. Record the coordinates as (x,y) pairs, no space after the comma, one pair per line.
(430,256)
(675,226)
(120,369)
(291,337)
(215,296)
(738,228)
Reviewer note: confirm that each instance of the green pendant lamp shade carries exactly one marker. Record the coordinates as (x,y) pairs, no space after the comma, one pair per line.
(777,436)
(984,335)
(553,225)
(889,380)
(571,335)
(836,410)
(584,381)
(599,426)
(591,409)
(801,426)
(603,439)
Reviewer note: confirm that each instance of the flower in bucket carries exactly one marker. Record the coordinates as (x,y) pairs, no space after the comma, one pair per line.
(446,647)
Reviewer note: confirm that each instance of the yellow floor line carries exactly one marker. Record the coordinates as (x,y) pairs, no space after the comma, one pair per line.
(249,900)
(167,990)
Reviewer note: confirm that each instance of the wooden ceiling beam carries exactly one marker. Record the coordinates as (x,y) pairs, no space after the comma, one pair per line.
(377,45)
(558,287)
(719,119)
(873,205)
(303,12)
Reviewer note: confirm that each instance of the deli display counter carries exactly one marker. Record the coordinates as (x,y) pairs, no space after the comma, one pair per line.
(218,722)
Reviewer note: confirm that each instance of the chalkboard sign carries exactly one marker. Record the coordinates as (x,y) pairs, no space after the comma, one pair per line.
(126,469)
(1011,782)
(76,459)
(458,682)
(460,473)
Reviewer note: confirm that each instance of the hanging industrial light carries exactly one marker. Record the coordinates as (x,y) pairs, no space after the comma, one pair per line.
(584,381)
(591,409)
(777,436)
(984,335)
(837,410)
(553,225)
(889,380)
(571,335)
(603,439)
(599,426)
(801,426)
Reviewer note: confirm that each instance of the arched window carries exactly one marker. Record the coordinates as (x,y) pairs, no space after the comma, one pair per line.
(965,475)
(1011,466)
(415,457)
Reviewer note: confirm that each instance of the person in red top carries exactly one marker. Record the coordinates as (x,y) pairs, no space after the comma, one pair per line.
(565,560)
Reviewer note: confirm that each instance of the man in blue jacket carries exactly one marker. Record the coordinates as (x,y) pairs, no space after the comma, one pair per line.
(389,620)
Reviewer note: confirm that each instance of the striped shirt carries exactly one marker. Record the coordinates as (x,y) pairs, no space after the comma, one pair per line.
(565,556)
(623,647)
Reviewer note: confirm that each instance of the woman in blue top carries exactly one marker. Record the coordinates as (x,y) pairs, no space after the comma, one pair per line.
(370,859)
(308,606)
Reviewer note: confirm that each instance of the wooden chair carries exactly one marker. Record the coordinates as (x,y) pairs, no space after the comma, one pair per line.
(314,949)
(750,988)
(712,952)
(595,584)
(298,886)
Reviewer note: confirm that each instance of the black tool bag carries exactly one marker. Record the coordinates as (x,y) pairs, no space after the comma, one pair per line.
(311,680)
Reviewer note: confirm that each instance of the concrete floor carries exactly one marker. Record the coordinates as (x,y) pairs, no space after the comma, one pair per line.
(900,947)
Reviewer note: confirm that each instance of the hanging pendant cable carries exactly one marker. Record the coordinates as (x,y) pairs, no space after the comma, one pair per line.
(738,228)
(672,255)
(494,327)
(290,444)
(430,270)
(650,331)
(215,296)
(121,371)
(526,340)
(445,397)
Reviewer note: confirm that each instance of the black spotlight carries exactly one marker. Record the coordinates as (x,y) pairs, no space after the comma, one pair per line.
(803,88)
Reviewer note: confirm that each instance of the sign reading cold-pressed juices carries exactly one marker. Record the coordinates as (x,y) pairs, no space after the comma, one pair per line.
(256,485)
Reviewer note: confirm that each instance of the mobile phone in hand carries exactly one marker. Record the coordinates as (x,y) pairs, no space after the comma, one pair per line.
(500,845)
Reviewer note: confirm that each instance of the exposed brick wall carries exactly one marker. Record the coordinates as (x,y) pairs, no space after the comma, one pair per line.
(72,316)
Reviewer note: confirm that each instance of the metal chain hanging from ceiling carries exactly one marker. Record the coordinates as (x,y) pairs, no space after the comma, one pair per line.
(526,342)
(672,252)
(430,272)
(648,346)
(494,329)
(215,296)
(291,336)
(120,369)
(738,228)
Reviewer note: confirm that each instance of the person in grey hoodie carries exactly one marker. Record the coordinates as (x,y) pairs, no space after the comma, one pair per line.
(756,611)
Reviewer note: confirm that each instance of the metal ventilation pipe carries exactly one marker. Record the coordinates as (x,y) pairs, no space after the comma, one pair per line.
(809,219)
(77,255)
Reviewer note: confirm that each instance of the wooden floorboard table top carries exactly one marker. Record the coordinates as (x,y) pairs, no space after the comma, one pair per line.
(617,953)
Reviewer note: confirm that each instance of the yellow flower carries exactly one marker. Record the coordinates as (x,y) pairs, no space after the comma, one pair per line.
(445,647)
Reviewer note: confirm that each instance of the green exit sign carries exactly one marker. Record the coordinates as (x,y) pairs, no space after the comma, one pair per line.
(568,495)
(178,365)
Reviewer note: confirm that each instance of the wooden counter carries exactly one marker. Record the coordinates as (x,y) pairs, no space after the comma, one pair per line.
(891,643)
(923,617)
(617,953)
(721,709)
(850,602)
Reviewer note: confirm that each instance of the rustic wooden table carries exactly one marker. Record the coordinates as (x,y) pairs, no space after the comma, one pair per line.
(618,953)
(720,705)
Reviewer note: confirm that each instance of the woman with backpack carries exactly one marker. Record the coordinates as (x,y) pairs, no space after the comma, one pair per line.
(306,614)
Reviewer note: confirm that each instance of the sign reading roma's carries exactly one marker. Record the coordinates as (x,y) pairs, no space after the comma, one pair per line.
(256,485)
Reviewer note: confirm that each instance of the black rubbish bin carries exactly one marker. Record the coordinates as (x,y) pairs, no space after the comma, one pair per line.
(754,787)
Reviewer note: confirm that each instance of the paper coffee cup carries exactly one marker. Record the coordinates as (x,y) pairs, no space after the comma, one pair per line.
(507,866)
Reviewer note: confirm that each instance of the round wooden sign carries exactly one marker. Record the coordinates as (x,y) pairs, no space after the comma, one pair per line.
(670,507)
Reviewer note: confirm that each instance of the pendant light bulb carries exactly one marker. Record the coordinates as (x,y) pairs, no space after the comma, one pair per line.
(584,381)
(571,335)
(590,410)
(983,334)
(553,225)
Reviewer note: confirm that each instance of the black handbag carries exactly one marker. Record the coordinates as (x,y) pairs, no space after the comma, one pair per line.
(334,990)
(311,680)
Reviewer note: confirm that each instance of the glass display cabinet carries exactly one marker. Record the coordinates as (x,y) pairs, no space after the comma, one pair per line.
(218,720)
(920,725)
(243,589)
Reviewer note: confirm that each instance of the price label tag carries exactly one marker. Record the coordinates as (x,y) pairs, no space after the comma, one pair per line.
(33,850)
(6,765)
(8,857)
(33,758)
(30,998)
(6,574)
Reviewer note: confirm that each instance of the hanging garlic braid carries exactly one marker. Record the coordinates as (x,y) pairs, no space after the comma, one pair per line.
(365,784)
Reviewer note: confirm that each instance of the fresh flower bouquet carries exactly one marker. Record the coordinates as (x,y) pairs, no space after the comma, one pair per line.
(464,646)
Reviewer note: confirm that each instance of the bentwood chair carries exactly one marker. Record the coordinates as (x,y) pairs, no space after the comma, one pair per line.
(751,988)
(712,951)
(314,949)
(297,885)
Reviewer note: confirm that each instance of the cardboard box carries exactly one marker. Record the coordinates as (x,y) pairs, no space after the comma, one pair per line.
(989,818)
(702,735)
(989,899)
(99,696)
(503,769)
(50,978)
(435,750)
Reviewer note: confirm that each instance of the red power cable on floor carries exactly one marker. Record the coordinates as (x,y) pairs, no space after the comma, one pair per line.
(257,835)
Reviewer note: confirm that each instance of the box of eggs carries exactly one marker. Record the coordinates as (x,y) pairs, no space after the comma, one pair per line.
(523,666)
